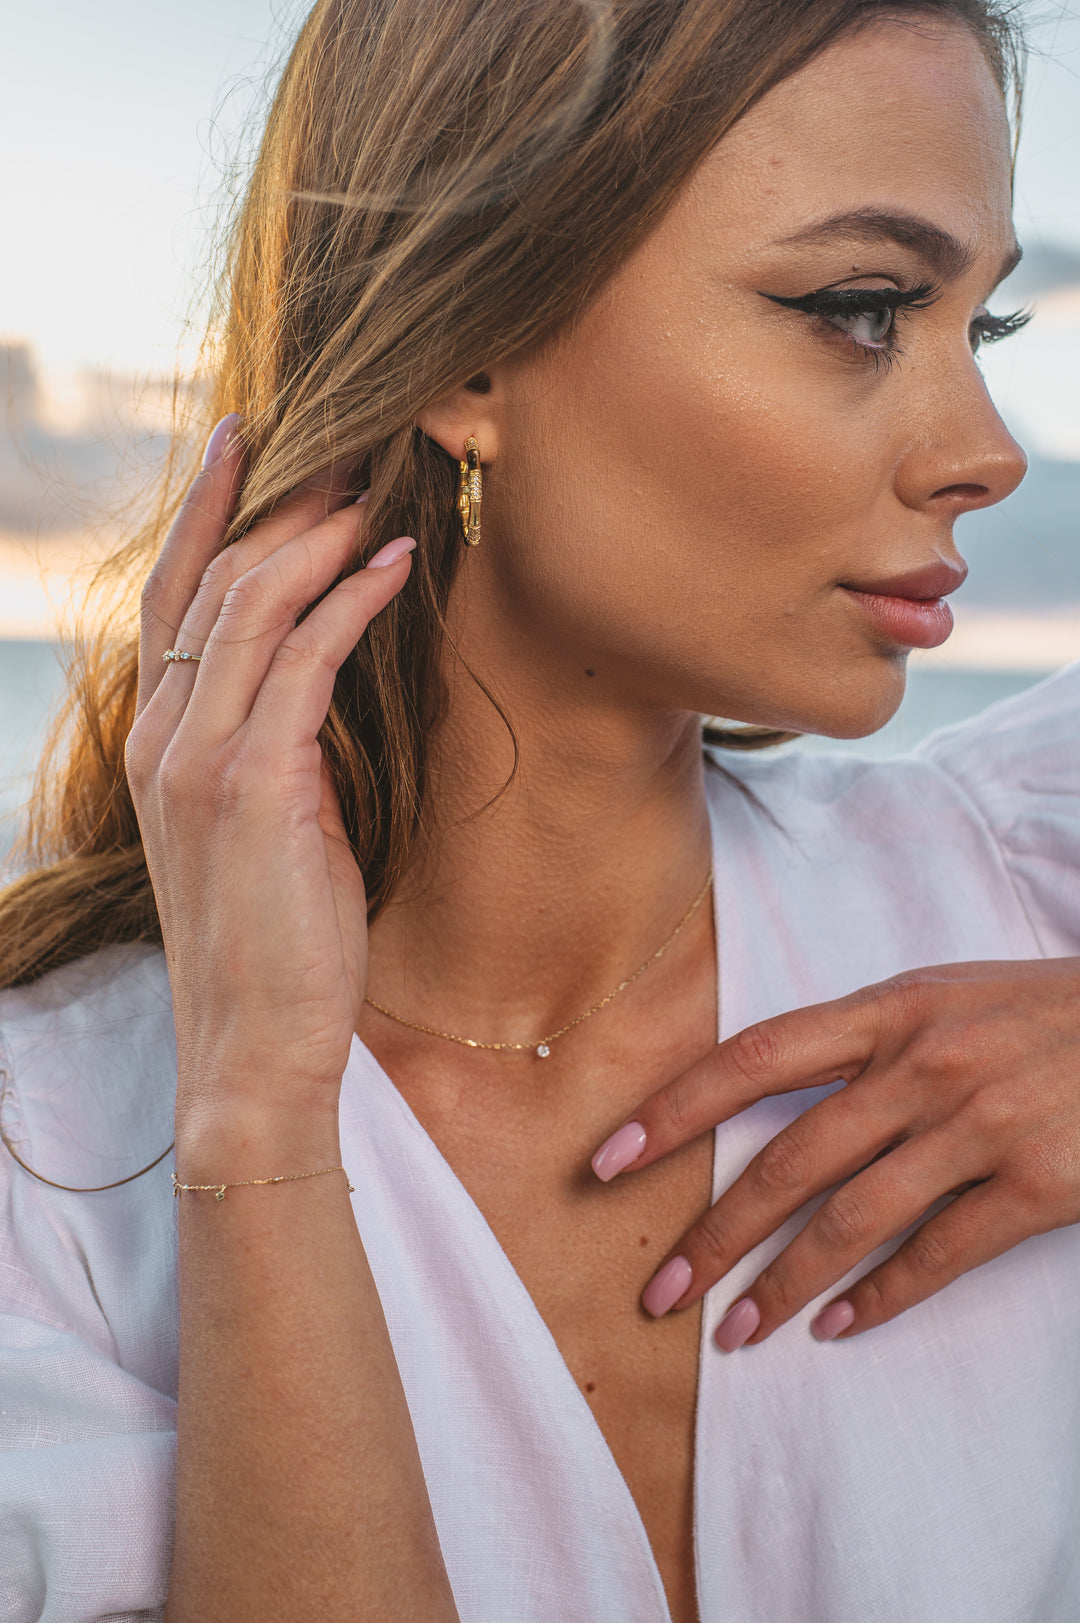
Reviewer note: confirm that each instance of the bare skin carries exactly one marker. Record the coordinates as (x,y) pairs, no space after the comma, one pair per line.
(675,487)
(679,496)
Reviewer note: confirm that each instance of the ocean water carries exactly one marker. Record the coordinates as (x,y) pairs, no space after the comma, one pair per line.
(31,683)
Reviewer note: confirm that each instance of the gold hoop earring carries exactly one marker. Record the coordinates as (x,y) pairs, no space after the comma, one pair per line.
(470,493)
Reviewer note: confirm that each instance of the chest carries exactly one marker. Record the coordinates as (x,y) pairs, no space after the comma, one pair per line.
(584,1252)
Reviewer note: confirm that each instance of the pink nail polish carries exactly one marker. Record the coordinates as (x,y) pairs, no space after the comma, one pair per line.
(220,440)
(617,1152)
(392,551)
(738,1324)
(832,1319)
(665,1288)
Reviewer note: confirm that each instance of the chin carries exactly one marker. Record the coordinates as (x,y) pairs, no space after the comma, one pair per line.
(863,703)
(843,702)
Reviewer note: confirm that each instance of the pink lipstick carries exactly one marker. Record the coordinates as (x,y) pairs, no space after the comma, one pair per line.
(910,609)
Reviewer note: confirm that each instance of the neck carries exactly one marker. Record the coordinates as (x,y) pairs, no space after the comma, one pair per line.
(528,903)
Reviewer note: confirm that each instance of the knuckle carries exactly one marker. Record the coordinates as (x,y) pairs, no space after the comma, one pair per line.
(946,1055)
(215,783)
(926,1253)
(137,759)
(675,1107)
(295,654)
(993,1113)
(221,572)
(843,1222)
(778,1288)
(251,594)
(1041,1175)
(876,1304)
(230,775)
(755,1051)
(153,593)
(908,995)
(783,1164)
(309,656)
(173,775)
(712,1237)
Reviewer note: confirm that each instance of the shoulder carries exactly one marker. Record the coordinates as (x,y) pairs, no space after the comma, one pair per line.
(1024,745)
(803,794)
(88,1065)
(89,1355)
(992,803)
(1019,765)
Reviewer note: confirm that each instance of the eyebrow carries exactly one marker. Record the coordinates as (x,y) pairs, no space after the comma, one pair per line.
(946,255)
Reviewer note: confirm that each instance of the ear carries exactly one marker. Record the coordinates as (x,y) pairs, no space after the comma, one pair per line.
(470,410)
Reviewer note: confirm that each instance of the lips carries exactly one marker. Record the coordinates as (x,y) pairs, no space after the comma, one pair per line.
(917,586)
(909,609)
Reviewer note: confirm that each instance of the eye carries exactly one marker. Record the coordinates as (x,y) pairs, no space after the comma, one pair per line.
(988,329)
(865,326)
(867,315)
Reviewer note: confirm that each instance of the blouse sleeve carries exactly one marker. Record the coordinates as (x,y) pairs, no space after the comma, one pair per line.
(1019,765)
(87,1323)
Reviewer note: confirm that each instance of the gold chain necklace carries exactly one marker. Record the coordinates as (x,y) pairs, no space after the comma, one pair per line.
(542,1046)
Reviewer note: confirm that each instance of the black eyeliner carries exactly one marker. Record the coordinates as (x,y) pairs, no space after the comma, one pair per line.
(856,301)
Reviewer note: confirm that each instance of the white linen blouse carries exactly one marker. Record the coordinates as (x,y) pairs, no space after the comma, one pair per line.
(927,1471)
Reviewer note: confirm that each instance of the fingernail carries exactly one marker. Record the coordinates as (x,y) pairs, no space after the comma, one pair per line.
(832,1319)
(220,440)
(665,1288)
(363,496)
(738,1324)
(392,551)
(617,1152)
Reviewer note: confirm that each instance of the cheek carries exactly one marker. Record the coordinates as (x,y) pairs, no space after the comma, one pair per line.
(679,505)
(720,458)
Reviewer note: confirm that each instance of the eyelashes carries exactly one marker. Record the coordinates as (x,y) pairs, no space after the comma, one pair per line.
(991,328)
(867,317)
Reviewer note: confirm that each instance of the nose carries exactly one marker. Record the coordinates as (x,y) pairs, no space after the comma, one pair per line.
(965,457)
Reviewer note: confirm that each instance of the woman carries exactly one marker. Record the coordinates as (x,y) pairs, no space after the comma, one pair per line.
(671,309)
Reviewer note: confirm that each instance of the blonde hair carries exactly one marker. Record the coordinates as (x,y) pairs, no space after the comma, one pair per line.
(440,183)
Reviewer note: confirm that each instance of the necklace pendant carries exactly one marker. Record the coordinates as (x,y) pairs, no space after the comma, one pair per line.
(542,1050)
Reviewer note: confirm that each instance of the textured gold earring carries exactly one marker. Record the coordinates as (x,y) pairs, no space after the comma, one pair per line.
(470,493)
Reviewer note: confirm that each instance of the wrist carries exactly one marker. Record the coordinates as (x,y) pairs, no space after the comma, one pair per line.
(227,1142)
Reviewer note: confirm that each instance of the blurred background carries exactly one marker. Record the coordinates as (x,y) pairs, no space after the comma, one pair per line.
(126,128)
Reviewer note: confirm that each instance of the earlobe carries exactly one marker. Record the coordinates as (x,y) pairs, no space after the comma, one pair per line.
(465,414)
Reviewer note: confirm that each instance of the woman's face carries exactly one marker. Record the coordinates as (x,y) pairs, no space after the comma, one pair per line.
(707,498)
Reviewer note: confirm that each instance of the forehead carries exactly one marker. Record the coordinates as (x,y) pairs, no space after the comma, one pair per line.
(904,117)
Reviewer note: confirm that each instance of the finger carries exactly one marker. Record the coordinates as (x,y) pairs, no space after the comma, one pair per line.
(193,547)
(231,564)
(977,1226)
(832,1141)
(193,539)
(241,633)
(308,505)
(295,696)
(259,637)
(825,1042)
(865,1212)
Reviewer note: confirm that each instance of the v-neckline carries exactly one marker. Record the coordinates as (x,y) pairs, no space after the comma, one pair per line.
(361,1056)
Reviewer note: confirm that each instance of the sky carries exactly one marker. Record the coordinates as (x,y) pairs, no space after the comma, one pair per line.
(119,119)
(116,121)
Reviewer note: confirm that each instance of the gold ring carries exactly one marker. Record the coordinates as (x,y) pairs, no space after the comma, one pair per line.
(174,656)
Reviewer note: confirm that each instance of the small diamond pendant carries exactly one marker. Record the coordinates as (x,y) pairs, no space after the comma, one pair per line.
(542,1050)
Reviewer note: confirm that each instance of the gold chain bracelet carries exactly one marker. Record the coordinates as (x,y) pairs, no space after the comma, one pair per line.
(247,1183)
